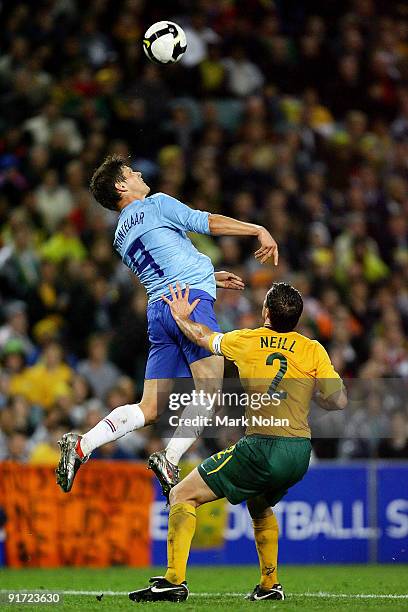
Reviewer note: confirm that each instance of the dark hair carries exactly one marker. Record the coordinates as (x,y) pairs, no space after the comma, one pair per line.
(103,181)
(285,306)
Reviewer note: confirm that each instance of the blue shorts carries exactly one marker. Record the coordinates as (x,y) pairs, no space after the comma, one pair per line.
(170,352)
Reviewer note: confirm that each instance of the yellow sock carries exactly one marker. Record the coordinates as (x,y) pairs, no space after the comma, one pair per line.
(182,524)
(266,532)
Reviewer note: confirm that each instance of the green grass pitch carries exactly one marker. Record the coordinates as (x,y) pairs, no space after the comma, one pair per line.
(307,588)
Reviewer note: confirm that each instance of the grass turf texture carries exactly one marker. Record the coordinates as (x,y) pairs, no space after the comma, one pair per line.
(217,588)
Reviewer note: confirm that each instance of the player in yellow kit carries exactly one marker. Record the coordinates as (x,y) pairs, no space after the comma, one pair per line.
(276,363)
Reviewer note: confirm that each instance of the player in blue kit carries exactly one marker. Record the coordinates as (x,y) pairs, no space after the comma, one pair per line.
(151,239)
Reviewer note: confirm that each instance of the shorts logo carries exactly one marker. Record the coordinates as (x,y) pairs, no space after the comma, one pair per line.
(226,451)
(220,466)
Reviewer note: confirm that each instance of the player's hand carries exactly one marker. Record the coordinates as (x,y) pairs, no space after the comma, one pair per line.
(268,248)
(179,305)
(228,280)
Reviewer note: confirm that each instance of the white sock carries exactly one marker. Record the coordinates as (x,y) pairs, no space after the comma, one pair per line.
(119,422)
(179,444)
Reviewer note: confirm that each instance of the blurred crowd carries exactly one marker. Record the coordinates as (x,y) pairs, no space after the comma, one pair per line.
(289,114)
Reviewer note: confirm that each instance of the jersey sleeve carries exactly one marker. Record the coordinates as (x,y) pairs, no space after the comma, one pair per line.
(182,217)
(328,380)
(230,345)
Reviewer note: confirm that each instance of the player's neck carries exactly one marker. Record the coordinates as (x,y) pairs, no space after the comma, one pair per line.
(129,198)
(269,326)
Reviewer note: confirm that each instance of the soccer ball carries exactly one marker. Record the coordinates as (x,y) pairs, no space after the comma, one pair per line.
(164,42)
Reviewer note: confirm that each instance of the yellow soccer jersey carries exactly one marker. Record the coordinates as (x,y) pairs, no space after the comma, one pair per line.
(284,366)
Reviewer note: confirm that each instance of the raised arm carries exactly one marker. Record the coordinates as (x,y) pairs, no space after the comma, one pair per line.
(182,217)
(226,226)
(181,310)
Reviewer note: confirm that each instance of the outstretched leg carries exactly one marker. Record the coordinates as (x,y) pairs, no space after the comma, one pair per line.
(76,449)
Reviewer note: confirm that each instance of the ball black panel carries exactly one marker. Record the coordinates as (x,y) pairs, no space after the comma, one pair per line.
(178,50)
(162,32)
(172,30)
(147,44)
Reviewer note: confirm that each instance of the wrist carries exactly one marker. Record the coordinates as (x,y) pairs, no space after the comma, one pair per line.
(181,317)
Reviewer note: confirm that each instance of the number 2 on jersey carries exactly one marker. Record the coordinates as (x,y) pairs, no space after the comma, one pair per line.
(145,260)
(283,363)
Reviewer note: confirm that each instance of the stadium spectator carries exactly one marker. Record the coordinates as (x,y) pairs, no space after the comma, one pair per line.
(17,447)
(42,383)
(53,200)
(46,451)
(19,263)
(50,124)
(243,76)
(396,447)
(199,36)
(16,326)
(100,373)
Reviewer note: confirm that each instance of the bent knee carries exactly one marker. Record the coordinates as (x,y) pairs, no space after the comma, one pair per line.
(179,495)
(173,497)
(176,495)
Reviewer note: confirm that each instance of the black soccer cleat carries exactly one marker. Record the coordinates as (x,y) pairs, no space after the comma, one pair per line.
(260,594)
(161,589)
(69,462)
(167,473)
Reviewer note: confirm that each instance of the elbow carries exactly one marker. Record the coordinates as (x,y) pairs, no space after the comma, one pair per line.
(341,402)
(213,224)
(337,401)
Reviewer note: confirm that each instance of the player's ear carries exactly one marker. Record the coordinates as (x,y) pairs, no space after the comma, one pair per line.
(265,314)
(120,186)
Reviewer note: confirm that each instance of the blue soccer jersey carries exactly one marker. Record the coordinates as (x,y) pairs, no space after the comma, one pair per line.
(151,240)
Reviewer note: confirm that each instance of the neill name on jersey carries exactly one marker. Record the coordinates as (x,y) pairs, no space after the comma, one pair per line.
(279,343)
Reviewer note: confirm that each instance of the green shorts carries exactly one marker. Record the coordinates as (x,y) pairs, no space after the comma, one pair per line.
(257,465)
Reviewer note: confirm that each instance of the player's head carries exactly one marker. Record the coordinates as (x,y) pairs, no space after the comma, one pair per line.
(114,184)
(282,307)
